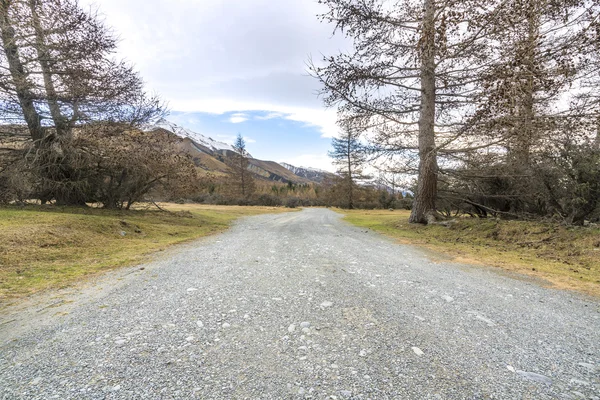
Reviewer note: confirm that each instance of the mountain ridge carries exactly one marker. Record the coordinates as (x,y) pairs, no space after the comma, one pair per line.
(314,174)
(197,138)
(211,155)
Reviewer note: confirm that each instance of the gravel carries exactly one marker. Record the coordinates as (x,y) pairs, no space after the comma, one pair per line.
(228,317)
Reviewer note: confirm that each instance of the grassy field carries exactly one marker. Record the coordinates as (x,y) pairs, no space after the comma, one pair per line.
(565,257)
(45,248)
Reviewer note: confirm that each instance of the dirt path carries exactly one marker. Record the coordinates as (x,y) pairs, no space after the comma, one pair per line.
(303,305)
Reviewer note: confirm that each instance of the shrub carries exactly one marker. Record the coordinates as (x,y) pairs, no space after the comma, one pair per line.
(403,204)
(267,200)
(292,202)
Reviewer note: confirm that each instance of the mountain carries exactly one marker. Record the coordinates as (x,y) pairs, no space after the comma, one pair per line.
(210,155)
(312,174)
(204,143)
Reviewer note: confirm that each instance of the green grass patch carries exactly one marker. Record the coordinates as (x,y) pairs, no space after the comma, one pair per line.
(566,257)
(49,247)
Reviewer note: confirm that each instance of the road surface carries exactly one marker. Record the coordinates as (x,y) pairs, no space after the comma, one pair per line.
(303,305)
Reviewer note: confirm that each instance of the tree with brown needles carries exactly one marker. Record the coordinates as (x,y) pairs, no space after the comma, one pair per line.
(410,79)
(58,74)
(126,166)
(470,95)
(538,106)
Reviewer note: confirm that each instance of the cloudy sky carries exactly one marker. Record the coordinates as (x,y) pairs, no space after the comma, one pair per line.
(231,66)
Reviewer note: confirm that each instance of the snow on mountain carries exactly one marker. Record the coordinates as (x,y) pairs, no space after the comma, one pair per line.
(208,145)
(200,139)
(312,174)
(300,169)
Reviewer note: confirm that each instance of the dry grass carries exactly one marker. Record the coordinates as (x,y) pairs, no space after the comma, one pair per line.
(566,257)
(46,248)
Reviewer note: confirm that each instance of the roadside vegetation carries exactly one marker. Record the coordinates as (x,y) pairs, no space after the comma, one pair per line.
(52,247)
(497,119)
(567,257)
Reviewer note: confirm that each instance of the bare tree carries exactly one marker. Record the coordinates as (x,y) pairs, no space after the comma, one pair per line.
(59,73)
(410,79)
(17,89)
(542,58)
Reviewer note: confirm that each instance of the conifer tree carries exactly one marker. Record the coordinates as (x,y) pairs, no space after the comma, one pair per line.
(242,183)
(349,158)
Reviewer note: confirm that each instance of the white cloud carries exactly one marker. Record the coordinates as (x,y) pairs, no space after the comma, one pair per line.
(323,119)
(271,115)
(238,118)
(239,38)
(251,57)
(249,140)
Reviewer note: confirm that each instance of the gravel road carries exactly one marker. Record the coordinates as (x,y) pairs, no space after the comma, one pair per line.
(303,305)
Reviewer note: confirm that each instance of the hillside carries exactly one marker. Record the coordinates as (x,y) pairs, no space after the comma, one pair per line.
(312,174)
(210,155)
(207,144)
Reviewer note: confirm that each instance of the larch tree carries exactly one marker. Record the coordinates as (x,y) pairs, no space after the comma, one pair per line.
(59,73)
(410,79)
(586,105)
(535,109)
(242,183)
(539,49)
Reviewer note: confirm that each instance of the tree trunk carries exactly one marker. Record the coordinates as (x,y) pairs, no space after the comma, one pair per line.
(525,130)
(425,196)
(597,140)
(17,72)
(350,180)
(60,122)
(243,167)
(525,135)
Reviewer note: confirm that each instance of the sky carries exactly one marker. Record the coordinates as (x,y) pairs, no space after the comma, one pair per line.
(229,67)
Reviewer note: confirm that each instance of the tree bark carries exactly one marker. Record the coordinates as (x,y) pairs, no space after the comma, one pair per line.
(597,140)
(425,197)
(60,122)
(525,131)
(243,171)
(17,72)
(350,180)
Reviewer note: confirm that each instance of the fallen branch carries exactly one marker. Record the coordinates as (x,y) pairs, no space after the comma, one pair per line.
(160,208)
